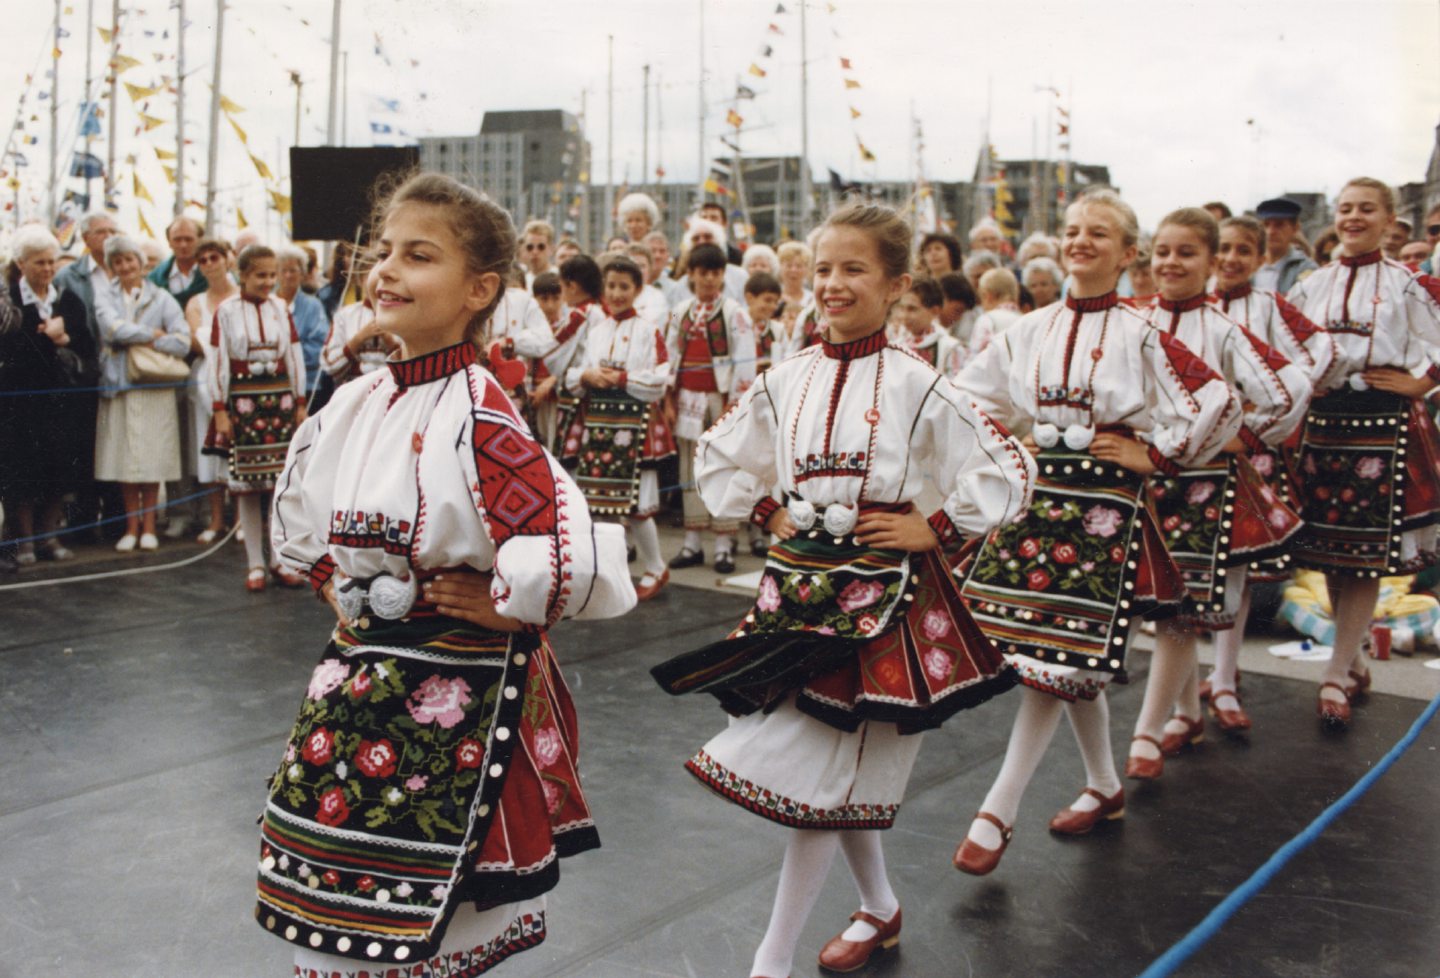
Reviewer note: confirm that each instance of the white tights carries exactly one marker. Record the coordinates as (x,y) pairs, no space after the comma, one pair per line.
(252,523)
(1172,664)
(808,856)
(1353,600)
(647,545)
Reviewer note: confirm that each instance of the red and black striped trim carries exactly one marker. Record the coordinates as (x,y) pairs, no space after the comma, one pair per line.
(1433,373)
(1184,305)
(433,366)
(763,510)
(944,528)
(1094,303)
(1359,261)
(1162,464)
(321,571)
(857,349)
(1252,441)
(1236,294)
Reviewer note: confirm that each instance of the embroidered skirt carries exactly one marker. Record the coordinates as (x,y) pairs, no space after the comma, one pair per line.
(1058,591)
(1370,485)
(856,634)
(617,442)
(1275,468)
(433,764)
(262,419)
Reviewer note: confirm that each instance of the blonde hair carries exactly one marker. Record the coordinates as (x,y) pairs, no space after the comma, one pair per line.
(1125,214)
(884,225)
(543,228)
(797,249)
(1199,220)
(1000,284)
(1387,195)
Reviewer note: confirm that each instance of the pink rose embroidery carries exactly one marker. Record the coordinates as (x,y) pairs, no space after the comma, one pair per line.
(244,405)
(439,701)
(1199,492)
(552,795)
(547,746)
(859,594)
(935,625)
(938,663)
(1102,521)
(867,624)
(416,782)
(377,759)
(768,597)
(1264,464)
(1279,518)
(329,674)
(1369,467)
(319,747)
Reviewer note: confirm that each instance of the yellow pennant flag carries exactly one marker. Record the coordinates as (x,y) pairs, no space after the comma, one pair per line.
(240,222)
(280,201)
(163,154)
(123,62)
(865,153)
(854,112)
(230,106)
(55,54)
(150,122)
(140,192)
(757,71)
(137,92)
(144,225)
(851,83)
(105,34)
(238,131)
(261,168)
(169,172)
(733,118)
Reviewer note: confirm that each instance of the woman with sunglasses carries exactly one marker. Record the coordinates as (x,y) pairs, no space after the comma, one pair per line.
(213,257)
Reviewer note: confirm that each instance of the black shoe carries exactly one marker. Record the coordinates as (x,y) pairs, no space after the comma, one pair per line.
(759,548)
(724,562)
(630,554)
(687,558)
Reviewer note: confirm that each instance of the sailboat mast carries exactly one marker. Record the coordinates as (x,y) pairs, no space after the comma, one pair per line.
(54,114)
(179,106)
(213,163)
(803,225)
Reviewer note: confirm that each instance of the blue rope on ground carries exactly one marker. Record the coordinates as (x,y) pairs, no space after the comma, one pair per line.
(1183,949)
(115,519)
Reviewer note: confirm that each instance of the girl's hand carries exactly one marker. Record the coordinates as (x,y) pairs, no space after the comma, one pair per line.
(1236,447)
(222,423)
(301,413)
(896,531)
(328,593)
(1126,452)
(543,391)
(1030,445)
(600,378)
(1398,382)
(466,595)
(671,409)
(781,524)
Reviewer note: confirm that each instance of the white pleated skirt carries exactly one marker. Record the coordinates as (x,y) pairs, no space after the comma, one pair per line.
(137,437)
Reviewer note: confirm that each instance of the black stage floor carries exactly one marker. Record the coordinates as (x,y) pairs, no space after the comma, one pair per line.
(141,718)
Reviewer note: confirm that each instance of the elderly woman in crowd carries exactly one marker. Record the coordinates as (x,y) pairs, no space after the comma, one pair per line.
(50,349)
(1044,279)
(311,323)
(137,440)
(213,258)
(795,261)
(638,215)
(760,258)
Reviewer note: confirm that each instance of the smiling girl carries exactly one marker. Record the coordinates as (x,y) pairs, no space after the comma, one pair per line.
(826,675)
(1107,400)
(1371,493)
(430,780)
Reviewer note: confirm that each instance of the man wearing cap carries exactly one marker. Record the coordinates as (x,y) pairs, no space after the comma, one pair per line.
(1284,261)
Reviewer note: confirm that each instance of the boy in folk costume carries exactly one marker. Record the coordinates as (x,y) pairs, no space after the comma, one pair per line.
(557,349)
(713,346)
(621,370)
(921,334)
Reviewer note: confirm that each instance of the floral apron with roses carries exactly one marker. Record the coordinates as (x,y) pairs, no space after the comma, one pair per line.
(432,763)
(1369,485)
(617,441)
(856,633)
(1058,591)
(262,417)
(1214,519)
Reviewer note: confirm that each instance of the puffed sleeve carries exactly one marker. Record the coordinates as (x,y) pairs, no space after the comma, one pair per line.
(220,359)
(1276,393)
(987,473)
(294,352)
(985,378)
(1422,314)
(647,373)
(735,460)
(552,560)
(1194,411)
(298,544)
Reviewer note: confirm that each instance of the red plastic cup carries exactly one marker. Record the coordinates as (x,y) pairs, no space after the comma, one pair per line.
(1379,642)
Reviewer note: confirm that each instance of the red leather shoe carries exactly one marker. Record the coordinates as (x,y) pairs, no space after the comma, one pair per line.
(1335,715)
(1359,686)
(1230,721)
(644,592)
(975,859)
(1174,743)
(1144,768)
(1070,821)
(255,580)
(1207,688)
(842,955)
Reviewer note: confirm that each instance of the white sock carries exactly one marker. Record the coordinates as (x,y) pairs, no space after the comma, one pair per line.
(1354,604)
(254,526)
(1035,724)
(1224,676)
(866,860)
(724,544)
(807,862)
(1090,722)
(647,545)
(1172,661)
(692,541)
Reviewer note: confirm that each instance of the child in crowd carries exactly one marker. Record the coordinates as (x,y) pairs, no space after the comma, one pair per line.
(762,299)
(258,382)
(621,370)
(961,308)
(825,677)
(920,332)
(712,343)
(651,303)
(1000,298)
(546,290)
(430,784)
(558,351)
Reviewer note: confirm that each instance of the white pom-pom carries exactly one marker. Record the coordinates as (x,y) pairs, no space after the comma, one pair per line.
(1357,381)
(840,519)
(1078,437)
(391,597)
(802,513)
(350,598)
(1046,435)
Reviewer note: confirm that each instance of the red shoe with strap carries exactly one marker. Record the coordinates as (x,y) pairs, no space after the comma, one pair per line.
(842,955)
(1145,768)
(1230,721)
(1335,714)
(973,858)
(1073,821)
(1174,743)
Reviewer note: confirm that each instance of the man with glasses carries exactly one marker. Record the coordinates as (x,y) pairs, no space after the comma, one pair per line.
(536,241)
(1432,238)
(1284,260)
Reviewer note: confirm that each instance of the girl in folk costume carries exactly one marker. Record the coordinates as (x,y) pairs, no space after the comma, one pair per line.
(430,780)
(921,334)
(258,382)
(1218,517)
(713,346)
(1368,474)
(356,345)
(558,349)
(622,369)
(858,636)
(213,257)
(1060,591)
(546,291)
(1282,327)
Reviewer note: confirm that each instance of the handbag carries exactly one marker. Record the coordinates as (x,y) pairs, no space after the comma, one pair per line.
(147,365)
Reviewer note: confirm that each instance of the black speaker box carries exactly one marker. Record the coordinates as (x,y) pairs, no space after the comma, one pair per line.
(332,187)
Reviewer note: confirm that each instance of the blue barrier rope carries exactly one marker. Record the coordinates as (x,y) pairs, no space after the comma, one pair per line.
(114,519)
(1182,950)
(97,390)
